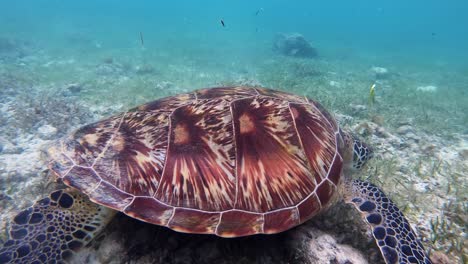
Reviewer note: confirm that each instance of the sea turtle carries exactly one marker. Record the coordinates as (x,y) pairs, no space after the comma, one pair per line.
(229,161)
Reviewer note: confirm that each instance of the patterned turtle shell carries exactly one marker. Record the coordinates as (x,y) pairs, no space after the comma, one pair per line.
(230,161)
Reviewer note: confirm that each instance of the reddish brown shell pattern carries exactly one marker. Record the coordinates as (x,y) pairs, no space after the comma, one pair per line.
(230,161)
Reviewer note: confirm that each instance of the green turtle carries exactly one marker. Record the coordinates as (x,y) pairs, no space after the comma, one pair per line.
(228,161)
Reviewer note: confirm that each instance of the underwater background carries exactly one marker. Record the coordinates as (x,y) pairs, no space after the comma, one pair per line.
(394,72)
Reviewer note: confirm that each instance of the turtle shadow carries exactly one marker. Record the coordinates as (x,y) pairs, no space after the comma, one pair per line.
(147,243)
(127,240)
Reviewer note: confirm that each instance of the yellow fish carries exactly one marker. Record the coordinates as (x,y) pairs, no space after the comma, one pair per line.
(372,94)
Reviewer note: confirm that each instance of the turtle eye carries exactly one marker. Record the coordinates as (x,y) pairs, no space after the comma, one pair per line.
(361,153)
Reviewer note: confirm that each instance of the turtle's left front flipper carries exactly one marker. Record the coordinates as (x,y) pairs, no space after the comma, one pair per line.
(54,228)
(392,232)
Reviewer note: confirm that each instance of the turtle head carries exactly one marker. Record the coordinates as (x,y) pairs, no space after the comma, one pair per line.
(356,153)
(361,153)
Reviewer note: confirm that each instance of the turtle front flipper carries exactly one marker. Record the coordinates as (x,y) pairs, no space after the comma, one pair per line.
(392,232)
(54,228)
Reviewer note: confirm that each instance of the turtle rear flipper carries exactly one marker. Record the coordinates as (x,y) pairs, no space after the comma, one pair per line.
(392,232)
(54,228)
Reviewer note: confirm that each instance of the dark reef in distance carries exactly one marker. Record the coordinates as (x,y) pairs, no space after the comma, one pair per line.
(294,45)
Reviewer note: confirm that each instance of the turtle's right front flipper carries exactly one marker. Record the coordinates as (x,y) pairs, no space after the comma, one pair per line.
(394,236)
(53,228)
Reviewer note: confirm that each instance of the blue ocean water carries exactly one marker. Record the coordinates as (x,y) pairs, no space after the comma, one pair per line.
(416,30)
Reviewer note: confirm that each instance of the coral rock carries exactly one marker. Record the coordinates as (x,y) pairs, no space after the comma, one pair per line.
(324,248)
(427,89)
(405,129)
(74,88)
(440,258)
(380,72)
(47,132)
(294,45)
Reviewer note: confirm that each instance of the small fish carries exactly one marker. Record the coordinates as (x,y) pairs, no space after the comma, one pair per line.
(372,94)
(222,23)
(258,11)
(141,39)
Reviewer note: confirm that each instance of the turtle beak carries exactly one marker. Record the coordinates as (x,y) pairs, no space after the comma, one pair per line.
(361,153)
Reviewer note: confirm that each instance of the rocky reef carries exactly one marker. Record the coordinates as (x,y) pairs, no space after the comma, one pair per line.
(294,45)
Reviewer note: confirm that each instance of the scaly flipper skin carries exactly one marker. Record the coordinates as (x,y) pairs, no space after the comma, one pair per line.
(54,228)
(392,232)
